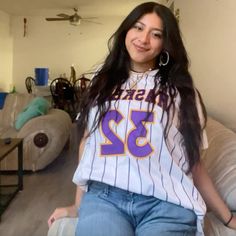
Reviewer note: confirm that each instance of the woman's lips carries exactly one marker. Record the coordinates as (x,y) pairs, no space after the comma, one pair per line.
(140,48)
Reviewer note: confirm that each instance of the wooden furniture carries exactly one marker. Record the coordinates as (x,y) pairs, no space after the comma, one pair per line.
(80,86)
(63,96)
(29,84)
(9,190)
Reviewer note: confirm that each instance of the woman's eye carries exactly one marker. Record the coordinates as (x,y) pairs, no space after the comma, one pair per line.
(157,35)
(138,27)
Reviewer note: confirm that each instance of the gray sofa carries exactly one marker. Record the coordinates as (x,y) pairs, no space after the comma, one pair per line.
(44,136)
(220,160)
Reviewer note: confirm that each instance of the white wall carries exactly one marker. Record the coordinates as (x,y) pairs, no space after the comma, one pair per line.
(6,44)
(58,45)
(209,30)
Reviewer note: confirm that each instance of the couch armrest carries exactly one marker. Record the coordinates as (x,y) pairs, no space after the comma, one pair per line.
(54,119)
(56,126)
(214,227)
(220,160)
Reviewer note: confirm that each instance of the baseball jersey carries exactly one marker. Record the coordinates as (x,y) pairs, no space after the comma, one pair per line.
(129,151)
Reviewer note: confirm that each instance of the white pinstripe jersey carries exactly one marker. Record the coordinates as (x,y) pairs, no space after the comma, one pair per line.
(131,154)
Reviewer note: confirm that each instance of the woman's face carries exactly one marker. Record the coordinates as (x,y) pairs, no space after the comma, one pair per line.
(144,42)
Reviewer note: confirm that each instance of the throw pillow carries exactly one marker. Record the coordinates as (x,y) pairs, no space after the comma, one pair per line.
(38,106)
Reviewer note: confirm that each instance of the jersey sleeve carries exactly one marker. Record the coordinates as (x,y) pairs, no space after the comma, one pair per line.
(204,142)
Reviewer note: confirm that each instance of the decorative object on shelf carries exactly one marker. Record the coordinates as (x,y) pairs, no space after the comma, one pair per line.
(13,90)
(25,27)
(176,11)
(72,74)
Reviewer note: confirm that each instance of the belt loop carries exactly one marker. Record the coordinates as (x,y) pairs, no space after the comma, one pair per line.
(89,184)
(106,190)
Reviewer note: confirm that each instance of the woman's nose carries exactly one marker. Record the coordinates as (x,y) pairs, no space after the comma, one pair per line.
(144,37)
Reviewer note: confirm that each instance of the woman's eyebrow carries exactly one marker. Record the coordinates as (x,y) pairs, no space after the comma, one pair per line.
(158,29)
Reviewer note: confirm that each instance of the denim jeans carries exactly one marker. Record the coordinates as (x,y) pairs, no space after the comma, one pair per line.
(110,211)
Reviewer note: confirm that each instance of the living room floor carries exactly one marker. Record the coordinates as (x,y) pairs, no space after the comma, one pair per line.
(43,191)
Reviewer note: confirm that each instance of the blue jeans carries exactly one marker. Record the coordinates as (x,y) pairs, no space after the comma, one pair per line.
(110,211)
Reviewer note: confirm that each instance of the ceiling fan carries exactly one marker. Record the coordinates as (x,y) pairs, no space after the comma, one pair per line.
(74,19)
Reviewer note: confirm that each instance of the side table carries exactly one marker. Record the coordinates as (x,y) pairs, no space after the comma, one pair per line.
(8,191)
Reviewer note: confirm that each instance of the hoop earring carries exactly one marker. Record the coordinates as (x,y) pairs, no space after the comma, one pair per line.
(164,58)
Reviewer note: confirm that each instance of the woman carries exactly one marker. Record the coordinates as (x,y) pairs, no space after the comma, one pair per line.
(140,171)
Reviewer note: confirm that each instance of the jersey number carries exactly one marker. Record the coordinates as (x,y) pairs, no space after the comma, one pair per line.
(116,146)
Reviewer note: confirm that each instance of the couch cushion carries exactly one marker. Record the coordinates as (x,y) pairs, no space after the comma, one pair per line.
(63,226)
(38,106)
(14,103)
(220,160)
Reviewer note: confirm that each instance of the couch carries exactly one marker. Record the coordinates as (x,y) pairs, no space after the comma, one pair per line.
(219,159)
(43,136)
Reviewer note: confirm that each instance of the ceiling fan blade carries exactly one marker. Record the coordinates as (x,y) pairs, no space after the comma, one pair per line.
(89,18)
(73,19)
(63,15)
(56,19)
(90,21)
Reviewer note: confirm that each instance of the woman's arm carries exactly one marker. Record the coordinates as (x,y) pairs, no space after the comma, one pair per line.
(70,211)
(210,195)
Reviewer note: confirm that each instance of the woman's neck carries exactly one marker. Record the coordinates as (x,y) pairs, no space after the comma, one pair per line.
(144,70)
(141,68)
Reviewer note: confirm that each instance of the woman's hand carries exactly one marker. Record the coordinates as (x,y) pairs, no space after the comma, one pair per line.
(70,211)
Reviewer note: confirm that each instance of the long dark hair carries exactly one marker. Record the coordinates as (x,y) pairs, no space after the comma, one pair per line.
(174,77)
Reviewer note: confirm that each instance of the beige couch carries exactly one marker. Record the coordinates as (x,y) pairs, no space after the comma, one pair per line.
(220,160)
(44,136)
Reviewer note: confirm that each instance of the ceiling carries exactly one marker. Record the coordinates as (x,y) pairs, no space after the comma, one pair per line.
(88,7)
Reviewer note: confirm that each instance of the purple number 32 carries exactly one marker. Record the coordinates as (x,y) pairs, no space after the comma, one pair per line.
(116,146)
